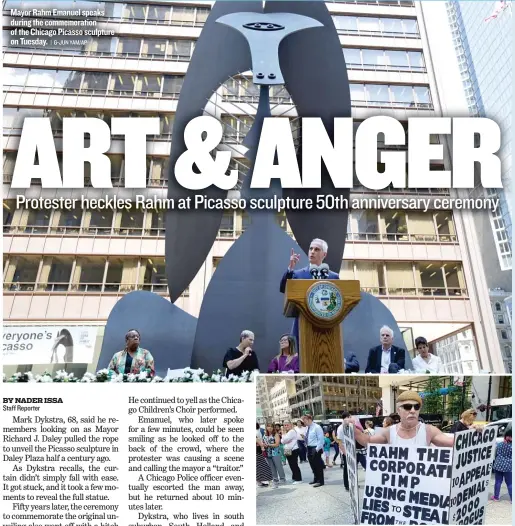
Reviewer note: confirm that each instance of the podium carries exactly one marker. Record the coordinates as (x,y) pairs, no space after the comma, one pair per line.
(321,306)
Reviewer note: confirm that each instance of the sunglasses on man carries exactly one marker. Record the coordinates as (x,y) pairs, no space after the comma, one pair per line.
(409,407)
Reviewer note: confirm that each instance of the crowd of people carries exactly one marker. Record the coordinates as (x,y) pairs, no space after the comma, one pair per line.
(306,441)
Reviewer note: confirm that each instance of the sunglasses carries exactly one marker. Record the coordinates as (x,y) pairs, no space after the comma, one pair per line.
(409,407)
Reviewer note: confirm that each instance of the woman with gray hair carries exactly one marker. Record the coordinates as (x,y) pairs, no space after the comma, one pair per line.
(242,358)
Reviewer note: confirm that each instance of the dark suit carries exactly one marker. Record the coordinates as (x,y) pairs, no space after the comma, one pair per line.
(351,364)
(375,355)
(302,273)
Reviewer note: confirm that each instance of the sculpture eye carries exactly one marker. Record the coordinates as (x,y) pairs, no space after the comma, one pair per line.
(263,26)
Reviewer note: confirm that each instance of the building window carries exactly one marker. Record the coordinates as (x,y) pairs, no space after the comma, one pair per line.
(227,224)
(155,275)
(69,221)
(37,222)
(131,222)
(498,307)
(60,274)
(25,274)
(500,319)
(504,335)
(100,222)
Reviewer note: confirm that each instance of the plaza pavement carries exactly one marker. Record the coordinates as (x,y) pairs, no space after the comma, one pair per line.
(330,504)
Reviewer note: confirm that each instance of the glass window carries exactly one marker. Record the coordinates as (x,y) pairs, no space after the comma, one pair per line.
(402,94)
(114,275)
(377,94)
(172,85)
(367,224)
(431,279)
(454,278)
(445,226)
(129,46)
(391,25)
(9,209)
(422,94)
(181,49)
(60,274)
(14,78)
(25,274)
(183,15)
(397,58)
(101,221)
(167,123)
(369,24)
(227,224)
(95,82)
(132,222)
(149,85)
(347,270)
(159,14)
(38,221)
(153,48)
(370,275)
(500,319)
(373,57)
(69,221)
(357,92)
(410,26)
(202,14)
(416,59)
(158,223)
(123,83)
(394,222)
(155,275)
(40,78)
(497,304)
(346,23)
(352,55)
(400,278)
(74,80)
(135,12)
(421,226)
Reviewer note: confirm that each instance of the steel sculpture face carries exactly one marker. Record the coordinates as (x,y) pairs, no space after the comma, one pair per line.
(294,43)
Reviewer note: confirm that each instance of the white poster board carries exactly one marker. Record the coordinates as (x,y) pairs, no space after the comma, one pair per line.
(472,468)
(46,344)
(349,443)
(407,485)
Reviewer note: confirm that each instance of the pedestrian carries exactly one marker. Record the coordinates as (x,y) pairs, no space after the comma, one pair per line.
(263,471)
(369,428)
(327,450)
(466,420)
(335,446)
(291,451)
(301,433)
(315,445)
(271,443)
(502,465)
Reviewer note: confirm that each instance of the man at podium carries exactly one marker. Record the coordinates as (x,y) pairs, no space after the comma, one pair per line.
(316,269)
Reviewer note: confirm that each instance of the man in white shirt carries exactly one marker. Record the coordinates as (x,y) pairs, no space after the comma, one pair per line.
(426,362)
(315,446)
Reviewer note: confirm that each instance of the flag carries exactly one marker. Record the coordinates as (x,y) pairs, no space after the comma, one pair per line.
(498,9)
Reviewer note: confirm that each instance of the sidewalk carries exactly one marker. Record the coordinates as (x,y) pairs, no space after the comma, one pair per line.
(330,503)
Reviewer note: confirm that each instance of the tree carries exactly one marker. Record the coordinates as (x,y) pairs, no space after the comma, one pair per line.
(458,400)
(433,400)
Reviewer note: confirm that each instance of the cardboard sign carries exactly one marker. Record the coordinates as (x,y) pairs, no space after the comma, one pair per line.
(407,485)
(471,471)
(349,442)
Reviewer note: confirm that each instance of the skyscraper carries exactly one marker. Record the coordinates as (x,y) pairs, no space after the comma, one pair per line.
(483,39)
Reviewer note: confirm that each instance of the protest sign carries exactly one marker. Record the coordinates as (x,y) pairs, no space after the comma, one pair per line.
(471,471)
(407,485)
(48,344)
(349,442)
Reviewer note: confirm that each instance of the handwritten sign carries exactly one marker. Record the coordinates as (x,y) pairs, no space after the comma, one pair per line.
(407,485)
(349,442)
(472,468)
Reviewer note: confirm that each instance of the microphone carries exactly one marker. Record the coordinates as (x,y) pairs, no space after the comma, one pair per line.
(324,271)
(314,272)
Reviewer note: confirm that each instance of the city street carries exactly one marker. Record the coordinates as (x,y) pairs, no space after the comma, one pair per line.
(330,504)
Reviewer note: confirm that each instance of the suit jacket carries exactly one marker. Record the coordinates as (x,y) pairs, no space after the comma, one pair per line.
(351,364)
(374,358)
(302,273)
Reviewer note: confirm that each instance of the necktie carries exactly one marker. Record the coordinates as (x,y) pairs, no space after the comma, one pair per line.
(307,437)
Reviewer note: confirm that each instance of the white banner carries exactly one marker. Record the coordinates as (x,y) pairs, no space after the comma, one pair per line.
(48,344)
(349,442)
(471,471)
(407,485)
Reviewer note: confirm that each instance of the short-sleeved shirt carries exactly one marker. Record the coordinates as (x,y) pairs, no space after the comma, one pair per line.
(249,364)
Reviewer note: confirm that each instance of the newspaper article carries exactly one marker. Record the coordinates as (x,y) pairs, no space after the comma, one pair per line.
(121,456)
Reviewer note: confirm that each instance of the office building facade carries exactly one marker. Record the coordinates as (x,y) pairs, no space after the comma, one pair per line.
(73,266)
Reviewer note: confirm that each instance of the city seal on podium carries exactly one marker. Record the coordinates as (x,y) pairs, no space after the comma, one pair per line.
(324,300)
